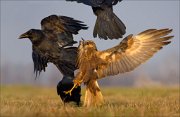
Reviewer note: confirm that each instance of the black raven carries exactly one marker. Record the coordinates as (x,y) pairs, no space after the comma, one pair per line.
(51,44)
(108,25)
(67,83)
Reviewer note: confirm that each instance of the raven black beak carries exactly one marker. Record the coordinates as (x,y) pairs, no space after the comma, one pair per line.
(25,35)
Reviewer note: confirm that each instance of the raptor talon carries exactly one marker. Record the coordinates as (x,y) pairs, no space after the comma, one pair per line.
(69,92)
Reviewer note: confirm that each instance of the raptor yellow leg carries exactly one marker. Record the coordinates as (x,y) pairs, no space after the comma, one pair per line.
(76,83)
(69,92)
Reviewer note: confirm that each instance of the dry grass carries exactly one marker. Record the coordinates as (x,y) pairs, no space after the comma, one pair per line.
(18,101)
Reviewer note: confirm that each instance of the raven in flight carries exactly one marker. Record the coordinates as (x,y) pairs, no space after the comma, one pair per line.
(51,44)
(131,52)
(108,25)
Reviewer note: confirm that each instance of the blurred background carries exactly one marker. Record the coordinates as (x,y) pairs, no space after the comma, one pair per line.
(19,16)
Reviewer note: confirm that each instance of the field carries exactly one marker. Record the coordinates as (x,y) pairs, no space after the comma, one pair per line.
(32,101)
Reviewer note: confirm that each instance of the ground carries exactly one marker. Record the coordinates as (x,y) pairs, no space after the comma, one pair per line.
(33,101)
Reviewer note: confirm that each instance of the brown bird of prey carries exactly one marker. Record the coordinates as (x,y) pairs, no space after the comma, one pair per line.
(50,44)
(108,25)
(131,52)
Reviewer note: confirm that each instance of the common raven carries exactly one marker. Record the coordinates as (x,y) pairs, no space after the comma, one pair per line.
(108,25)
(131,52)
(66,84)
(51,44)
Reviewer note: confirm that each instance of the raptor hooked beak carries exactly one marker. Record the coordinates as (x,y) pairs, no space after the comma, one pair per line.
(24,35)
(81,41)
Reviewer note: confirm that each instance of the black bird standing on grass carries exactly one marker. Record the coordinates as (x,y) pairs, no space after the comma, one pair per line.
(67,83)
(108,25)
(50,44)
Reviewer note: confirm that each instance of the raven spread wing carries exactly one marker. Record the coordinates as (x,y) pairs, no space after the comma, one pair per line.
(97,3)
(66,64)
(108,25)
(132,51)
(61,28)
(40,63)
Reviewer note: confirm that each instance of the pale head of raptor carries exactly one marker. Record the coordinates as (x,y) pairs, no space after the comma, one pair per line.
(87,45)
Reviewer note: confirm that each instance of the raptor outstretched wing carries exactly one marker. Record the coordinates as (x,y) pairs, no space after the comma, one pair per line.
(61,28)
(132,51)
